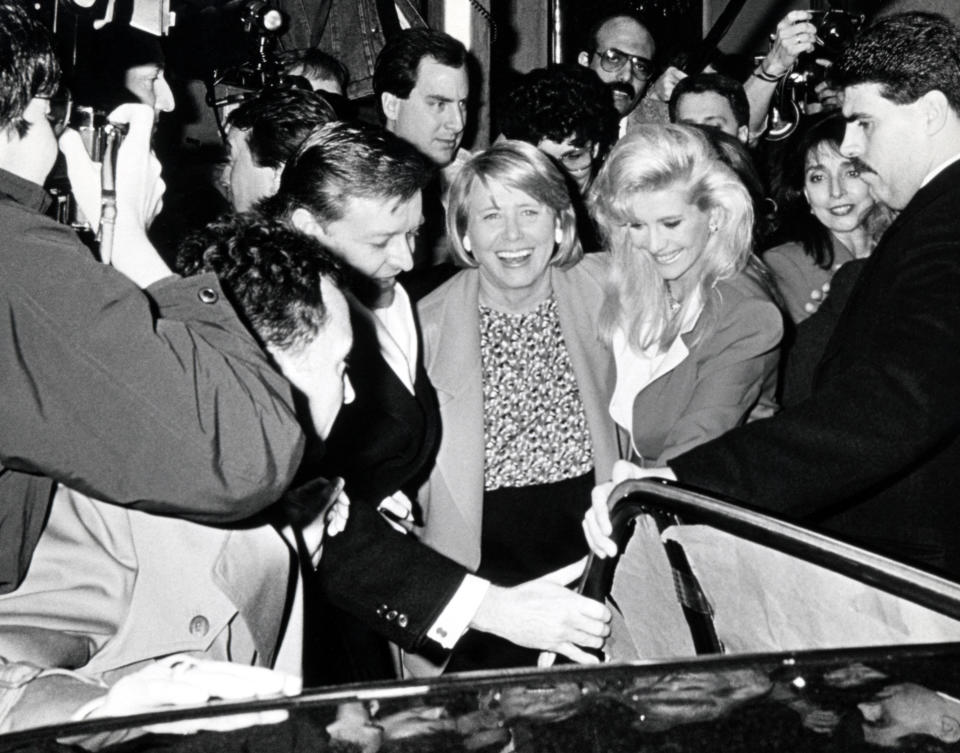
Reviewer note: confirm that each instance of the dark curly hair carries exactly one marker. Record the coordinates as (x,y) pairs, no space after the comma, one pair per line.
(269,272)
(559,102)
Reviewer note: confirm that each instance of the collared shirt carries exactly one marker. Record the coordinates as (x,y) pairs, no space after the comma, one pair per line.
(397,334)
(637,369)
(939,169)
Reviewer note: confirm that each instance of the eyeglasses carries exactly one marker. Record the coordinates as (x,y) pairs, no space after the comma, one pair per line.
(577,158)
(613,60)
(60,109)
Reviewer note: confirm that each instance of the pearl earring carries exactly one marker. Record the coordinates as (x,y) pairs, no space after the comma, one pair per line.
(558,235)
(467,246)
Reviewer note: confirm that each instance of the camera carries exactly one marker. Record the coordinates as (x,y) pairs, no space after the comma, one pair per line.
(797,92)
(100,137)
(101,140)
(834,29)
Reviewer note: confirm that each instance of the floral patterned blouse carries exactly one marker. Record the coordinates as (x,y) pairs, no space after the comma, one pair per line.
(535,430)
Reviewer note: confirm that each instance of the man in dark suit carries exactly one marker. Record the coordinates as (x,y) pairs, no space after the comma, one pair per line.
(873,454)
(358,189)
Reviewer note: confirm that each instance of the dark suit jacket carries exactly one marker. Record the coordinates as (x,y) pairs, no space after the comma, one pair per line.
(805,345)
(874,452)
(385,440)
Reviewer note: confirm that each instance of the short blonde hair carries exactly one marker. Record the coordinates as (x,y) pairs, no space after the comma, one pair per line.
(521,167)
(654,158)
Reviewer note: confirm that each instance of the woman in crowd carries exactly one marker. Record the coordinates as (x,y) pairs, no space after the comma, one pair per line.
(694,333)
(826,215)
(510,344)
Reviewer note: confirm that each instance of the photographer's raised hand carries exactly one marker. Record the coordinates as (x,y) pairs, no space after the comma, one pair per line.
(139,190)
(794,36)
(84,176)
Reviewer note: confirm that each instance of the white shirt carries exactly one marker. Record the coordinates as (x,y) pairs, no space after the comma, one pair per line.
(638,369)
(939,169)
(397,334)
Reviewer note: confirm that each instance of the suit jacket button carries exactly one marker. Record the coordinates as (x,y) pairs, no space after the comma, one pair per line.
(382,610)
(402,620)
(208,295)
(199,626)
(391,615)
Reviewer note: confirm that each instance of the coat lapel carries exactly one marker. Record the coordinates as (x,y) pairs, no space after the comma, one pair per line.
(579,296)
(455,371)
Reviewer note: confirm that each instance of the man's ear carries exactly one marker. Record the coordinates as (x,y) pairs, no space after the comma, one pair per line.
(935,109)
(584,59)
(305,222)
(390,104)
(949,729)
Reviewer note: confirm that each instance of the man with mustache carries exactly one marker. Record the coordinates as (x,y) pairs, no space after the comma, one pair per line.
(620,49)
(873,454)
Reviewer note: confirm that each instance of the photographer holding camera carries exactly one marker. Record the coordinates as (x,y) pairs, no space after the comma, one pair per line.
(124,381)
(817,35)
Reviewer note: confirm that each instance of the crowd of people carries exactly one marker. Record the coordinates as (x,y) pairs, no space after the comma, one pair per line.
(374,411)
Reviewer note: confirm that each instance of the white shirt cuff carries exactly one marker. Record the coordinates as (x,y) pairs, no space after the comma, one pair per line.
(459,612)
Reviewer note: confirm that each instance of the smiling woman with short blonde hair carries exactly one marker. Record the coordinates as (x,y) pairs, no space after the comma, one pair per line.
(511,346)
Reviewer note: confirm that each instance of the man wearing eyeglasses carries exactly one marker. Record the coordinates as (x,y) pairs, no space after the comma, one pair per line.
(566,113)
(620,50)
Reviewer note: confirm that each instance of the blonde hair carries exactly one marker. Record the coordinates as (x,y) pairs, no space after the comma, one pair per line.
(656,158)
(522,167)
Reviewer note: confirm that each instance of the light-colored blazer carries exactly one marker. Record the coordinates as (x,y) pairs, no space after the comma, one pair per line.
(728,377)
(452,498)
(111,588)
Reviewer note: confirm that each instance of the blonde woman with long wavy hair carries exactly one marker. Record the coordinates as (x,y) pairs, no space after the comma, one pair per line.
(694,331)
